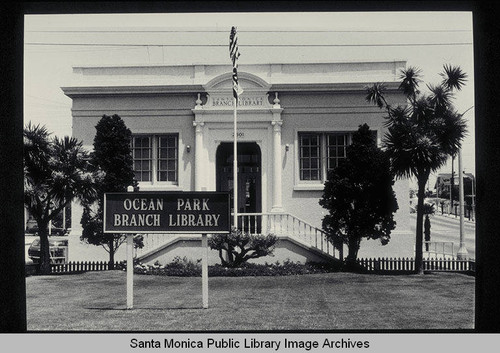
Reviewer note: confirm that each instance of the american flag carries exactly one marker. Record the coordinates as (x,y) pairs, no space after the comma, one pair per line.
(234,54)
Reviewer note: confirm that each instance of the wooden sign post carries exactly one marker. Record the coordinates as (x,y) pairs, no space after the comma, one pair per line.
(130,271)
(167,212)
(204,270)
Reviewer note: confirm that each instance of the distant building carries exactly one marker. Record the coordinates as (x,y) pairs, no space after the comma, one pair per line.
(294,123)
(444,180)
(443,187)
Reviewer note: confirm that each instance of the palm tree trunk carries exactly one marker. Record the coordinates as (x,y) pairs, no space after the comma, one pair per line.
(43,233)
(419,232)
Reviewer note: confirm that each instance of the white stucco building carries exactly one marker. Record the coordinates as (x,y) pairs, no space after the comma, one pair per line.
(294,121)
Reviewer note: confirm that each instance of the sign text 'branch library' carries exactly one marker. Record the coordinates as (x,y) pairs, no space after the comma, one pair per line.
(166,212)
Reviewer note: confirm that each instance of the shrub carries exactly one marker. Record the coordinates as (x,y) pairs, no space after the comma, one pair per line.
(288,268)
(187,268)
(183,267)
(241,247)
(177,267)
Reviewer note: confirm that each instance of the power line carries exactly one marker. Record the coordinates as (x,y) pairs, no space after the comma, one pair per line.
(251,31)
(250,45)
(41,49)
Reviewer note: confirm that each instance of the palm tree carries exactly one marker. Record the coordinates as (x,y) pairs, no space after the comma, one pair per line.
(423,133)
(55,173)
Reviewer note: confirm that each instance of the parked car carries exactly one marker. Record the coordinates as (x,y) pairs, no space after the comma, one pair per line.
(58,248)
(427,201)
(56,231)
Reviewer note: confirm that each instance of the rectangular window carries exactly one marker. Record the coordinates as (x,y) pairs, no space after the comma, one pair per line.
(310,156)
(142,155)
(320,152)
(156,158)
(335,149)
(167,158)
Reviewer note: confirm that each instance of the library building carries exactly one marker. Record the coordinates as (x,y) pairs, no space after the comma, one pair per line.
(294,121)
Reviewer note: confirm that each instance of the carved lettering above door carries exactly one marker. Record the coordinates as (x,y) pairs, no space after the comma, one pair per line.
(254,100)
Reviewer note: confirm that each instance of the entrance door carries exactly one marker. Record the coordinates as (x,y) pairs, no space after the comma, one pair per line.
(249,181)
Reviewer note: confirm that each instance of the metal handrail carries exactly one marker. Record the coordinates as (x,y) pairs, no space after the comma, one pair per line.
(435,244)
(277,223)
(288,224)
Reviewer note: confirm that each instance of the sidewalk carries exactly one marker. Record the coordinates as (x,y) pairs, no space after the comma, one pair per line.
(457,218)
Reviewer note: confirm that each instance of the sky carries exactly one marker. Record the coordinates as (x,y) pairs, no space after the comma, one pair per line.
(53,44)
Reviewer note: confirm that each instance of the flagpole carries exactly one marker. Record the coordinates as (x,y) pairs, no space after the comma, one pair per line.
(235,167)
(234,54)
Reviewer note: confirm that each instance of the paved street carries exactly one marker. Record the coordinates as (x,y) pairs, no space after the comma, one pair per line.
(79,251)
(447,229)
(443,229)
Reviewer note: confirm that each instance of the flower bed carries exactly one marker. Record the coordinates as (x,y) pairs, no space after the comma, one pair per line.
(187,268)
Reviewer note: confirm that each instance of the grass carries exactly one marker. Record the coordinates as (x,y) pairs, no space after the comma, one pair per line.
(96,301)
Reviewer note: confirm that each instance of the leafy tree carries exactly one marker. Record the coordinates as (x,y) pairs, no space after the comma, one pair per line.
(113,172)
(239,247)
(423,132)
(56,171)
(359,197)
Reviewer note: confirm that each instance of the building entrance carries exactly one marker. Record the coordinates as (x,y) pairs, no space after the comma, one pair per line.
(249,181)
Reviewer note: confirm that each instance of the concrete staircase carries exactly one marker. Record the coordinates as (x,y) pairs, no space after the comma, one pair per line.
(298,240)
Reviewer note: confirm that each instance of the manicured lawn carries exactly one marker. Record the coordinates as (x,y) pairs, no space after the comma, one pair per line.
(96,301)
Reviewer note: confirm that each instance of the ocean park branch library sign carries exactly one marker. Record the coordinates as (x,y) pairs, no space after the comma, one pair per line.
(169,213)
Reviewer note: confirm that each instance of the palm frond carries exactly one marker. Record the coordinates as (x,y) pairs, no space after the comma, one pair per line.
(440,97)
(422,111)
(453,77)
(37,151)
(375,94)
(412,148)
(35,139)
(452,130)
(70,170)
(36,130)
(410,79)
(398,115)
(396,143)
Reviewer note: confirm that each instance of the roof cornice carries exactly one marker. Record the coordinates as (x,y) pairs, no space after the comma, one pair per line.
(329,87)
(73,92)
(87,91)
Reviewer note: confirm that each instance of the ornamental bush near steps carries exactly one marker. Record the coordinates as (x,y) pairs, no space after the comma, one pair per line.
(237,247)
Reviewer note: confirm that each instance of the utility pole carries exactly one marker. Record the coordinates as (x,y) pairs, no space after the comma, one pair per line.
(473,197)
(451,184)
(462,251)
